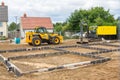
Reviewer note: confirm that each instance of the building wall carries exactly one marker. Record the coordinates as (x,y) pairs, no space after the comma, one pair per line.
(3,29)
(21,31)
(3,13)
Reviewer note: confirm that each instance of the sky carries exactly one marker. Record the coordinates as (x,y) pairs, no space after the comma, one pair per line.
(57,10)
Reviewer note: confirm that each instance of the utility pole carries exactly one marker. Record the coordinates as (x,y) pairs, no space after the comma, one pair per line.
(81,31)
(16,19)
(17,28)
(118,29)
(82,24)
(118,35)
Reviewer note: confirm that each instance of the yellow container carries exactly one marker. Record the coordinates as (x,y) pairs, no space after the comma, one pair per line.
(106,30)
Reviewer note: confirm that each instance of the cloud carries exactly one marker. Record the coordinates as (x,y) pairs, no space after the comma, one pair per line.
(58,10)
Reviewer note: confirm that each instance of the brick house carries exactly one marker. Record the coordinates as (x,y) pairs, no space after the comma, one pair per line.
(29,24)
(3,20)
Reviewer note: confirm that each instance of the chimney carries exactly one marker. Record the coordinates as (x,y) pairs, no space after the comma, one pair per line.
(25,15)
(3,4)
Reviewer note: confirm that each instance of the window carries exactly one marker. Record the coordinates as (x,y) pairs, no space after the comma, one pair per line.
(1,33)
(1,24)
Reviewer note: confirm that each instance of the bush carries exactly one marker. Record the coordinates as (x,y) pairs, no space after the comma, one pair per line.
(65,37)
(3,38)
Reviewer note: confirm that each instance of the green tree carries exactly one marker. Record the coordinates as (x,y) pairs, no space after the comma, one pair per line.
(65,27)
(99,21)
(13,26)
(96,16)
(58,27)
(76,17)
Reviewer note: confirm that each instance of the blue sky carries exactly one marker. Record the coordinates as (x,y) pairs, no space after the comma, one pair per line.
(57,10)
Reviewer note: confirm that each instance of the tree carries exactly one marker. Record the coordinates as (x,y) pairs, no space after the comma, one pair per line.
(96,16)
(99,21)
(13,26)
(76,17)
(58,27)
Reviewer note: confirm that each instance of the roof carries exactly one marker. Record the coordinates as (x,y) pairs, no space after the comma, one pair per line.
(32,22)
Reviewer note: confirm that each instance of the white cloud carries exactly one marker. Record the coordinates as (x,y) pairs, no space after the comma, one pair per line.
(58,10)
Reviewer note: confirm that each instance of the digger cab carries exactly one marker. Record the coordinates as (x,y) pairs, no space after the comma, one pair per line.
(40,30)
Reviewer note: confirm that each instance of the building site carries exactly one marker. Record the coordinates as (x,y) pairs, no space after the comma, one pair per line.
(85,46)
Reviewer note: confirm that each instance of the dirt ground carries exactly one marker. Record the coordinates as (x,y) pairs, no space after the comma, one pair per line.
(52,61)
(104,47)
(105,71)
(117,43)
(82,50)
(12,54)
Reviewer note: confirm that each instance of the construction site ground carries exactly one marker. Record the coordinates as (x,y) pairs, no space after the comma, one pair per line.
(105,71)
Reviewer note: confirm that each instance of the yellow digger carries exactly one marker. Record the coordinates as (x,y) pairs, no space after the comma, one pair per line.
(41,35)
